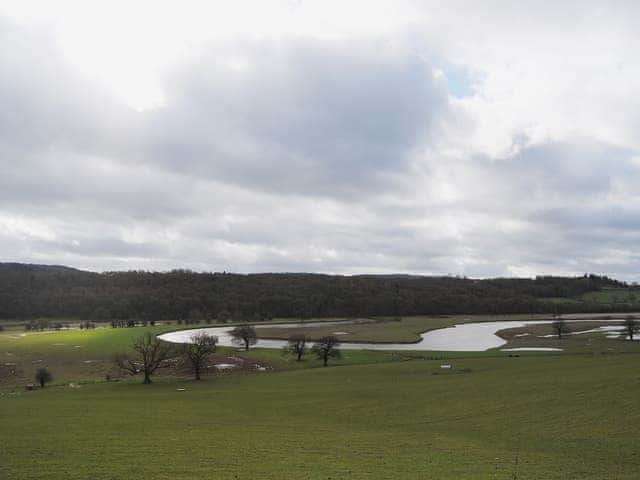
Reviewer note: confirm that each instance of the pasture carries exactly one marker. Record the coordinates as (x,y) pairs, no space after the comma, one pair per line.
(568,415)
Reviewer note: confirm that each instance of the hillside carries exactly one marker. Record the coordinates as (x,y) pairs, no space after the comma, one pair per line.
(32,291)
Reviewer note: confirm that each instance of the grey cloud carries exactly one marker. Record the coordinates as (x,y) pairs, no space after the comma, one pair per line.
(610,218)
(320,118)
(102,246)
(581,166)
(311,158)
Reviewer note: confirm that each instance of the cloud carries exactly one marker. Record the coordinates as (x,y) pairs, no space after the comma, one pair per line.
(467,140)
(321,118)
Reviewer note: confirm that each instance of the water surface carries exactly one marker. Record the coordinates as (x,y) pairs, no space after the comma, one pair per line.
(465,337)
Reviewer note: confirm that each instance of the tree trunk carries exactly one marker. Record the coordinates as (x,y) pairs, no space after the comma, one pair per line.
(299,356)
(197,373)
(147,378)
(246,345)
(325,358)
(41,383)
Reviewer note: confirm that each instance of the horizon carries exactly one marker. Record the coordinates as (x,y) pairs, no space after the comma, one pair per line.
(358,138)
(231,272)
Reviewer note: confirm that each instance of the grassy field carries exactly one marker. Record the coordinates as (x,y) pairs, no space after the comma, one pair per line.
(609,296)
(613,295)
(572,415)
(87,355)
(531,417)
(574,342)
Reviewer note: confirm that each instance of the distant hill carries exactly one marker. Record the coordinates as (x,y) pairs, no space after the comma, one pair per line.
(32,291)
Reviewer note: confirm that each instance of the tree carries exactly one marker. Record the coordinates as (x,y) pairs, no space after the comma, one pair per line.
(244,334)
(202,345)
(560,327)
(43,376)
(296,345)
(151,353)
(326,347)
(631,326)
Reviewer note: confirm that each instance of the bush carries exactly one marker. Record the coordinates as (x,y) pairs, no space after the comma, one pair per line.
(43,376)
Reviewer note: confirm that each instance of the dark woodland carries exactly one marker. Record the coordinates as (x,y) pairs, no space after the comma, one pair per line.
(36,291)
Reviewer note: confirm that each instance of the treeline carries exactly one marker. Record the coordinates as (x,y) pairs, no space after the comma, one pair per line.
(35,291)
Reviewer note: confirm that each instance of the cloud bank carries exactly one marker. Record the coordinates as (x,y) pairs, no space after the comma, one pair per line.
(480,142)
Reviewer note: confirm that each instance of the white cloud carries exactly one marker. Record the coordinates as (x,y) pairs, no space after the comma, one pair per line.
(483,140)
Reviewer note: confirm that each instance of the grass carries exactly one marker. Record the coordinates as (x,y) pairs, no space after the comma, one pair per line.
(371,415)
(72,355)
(81,356)
(609,296)
(538,336)
(613,295)
(532,417)
(87,355)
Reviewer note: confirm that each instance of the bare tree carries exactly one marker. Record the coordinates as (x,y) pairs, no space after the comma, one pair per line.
(244,334)
(202,345)
(296,345)
(151,352)
(631,326)
(43,376)
(127,364)
(560,328)
(326,347)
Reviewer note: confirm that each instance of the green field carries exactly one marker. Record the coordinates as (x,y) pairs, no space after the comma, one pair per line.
(81,355)
(613,295)
(605,296)
(372,415)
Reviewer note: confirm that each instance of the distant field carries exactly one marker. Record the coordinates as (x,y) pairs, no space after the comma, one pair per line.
(87,355)
(574,342)
(605,296)
(388,330)
(618,295)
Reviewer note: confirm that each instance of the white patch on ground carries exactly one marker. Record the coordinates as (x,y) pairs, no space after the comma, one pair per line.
(341,333)
(522,335)
(602,329)
(225,366)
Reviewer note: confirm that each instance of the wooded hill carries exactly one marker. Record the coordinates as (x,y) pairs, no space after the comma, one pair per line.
(33,291)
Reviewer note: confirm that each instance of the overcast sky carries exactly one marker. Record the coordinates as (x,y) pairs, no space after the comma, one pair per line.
(471,138)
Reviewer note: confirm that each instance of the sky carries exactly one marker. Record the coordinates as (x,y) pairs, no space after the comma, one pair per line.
(481,139)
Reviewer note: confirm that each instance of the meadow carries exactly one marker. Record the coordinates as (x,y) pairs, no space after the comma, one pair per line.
(569,415)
